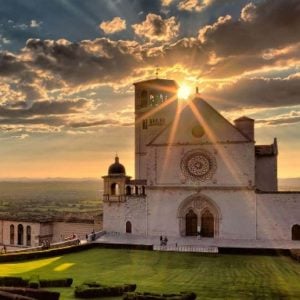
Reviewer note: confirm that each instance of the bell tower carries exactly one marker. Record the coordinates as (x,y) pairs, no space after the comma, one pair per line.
(155,108)
(114,183)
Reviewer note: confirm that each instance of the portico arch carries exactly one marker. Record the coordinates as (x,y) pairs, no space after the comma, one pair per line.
(207,212)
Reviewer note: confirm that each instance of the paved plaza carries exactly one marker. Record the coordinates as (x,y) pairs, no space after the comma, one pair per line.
(118,238)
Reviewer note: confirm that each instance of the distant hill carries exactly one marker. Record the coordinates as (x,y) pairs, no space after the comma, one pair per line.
(41,199)
(289,184)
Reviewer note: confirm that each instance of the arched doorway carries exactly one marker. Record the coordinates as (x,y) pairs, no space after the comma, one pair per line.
(197,210)
(128,227)
(190,223)
(128,190)
(28,236)
(20,234)
(296,232)
(207,224)
(12,234)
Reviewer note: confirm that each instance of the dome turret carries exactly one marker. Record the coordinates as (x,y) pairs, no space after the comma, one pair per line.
(116,168)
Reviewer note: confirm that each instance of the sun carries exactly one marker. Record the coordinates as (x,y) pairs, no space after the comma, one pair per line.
(184,92)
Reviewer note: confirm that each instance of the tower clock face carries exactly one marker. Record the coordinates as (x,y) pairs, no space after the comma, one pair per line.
(198,165)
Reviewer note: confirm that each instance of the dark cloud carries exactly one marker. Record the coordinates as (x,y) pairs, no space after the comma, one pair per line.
(286,119)
(269,24)
(94,61)
(10,64)
(94,123)
(265,35)
(45,107)
(45,120)
(257,93)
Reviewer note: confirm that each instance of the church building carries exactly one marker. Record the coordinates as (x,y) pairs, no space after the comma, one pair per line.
(197,173)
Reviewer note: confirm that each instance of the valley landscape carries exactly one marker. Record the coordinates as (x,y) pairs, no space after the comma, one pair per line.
(45,199)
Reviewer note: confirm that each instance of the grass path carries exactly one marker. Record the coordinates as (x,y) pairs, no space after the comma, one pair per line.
(224,276)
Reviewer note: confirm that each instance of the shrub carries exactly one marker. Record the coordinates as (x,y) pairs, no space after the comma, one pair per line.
(92,284)
(34,282)
(31,293)
(62,282)
(13,281)
(94,289)
(10,296)
(153,296)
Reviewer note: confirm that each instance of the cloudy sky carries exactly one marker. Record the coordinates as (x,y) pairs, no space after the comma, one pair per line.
(67,68)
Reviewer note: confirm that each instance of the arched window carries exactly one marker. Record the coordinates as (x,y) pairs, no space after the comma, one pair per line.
(114,189)
(128,190)
(143,191)
(144,99)
(28,236)
(128,227)
(20,234)
(207,224)
(190,223)
(296,232)
(136,190)
(12,234)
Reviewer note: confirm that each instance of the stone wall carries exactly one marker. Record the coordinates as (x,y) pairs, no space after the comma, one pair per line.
(53,232)
(5,232)
(266,173)
(62,230)
(236,211)
(235,165)
(117,214)
(276,214)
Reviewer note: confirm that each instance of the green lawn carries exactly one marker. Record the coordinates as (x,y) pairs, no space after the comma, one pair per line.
(224,276)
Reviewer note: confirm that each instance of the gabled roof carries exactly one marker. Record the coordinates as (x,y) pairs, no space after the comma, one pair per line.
(199,112)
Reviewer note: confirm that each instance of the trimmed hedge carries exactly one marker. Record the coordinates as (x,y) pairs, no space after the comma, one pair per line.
(62,282)
(295,254)
(153,296)
(13,281)
(31,293)
(94,289)
(10,296)
(35,282)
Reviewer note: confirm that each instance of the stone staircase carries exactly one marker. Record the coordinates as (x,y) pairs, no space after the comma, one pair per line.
(187,248)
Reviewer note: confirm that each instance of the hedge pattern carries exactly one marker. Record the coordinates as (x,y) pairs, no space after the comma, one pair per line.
(94,289)
(153,296)
(34,282)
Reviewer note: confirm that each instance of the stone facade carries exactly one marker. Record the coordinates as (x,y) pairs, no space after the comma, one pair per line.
(31,234)
(196,173)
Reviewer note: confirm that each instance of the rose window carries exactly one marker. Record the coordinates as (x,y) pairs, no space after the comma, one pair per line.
(198,165)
